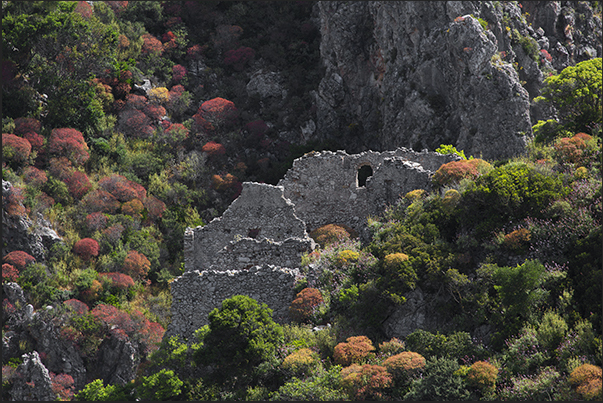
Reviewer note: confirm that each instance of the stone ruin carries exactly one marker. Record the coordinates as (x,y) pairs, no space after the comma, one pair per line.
(255,248)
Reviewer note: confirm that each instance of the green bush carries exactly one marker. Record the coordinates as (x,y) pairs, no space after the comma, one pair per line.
(510,192)
(576,93)
(439,382)
(322,386)
(163,385)
(242,335)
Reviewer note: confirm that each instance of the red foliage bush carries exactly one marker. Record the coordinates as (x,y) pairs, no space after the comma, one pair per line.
(546,55)
(572,149)
(201,124)
(134,123)
(305,303)
(19,259)
(36,141)
(134,101)
(9,273)
(113,233)
(84,9)
(136,265)
(86,248)
(15,148)
(213,149)
(77,306)
(151,45)
(96,221)
(121,91)
(196,52)
(26,125)
(454,171)
(155,207)
(123,189)
(119,280)
(239,58)
(219,112)
(34,177)
(178,73)
(60,168)
(366,382)
(78,184)
(100,200)
(70,143)
(13,204)
(155,112)
(62,384)
(354,350)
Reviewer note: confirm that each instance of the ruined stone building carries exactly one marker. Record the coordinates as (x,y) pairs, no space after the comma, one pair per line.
(255,247)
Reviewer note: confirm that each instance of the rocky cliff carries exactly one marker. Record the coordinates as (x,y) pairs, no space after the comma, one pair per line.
(421,74)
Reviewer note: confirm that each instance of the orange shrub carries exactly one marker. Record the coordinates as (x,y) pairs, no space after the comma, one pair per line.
(301,362)
(136,265)
(454,171)
(9,273)
(517,240)
(354,350)
(118,280)
(213,149)
(482,375)
(133,208)
(331,233)
(587,379)
(365,382)
(404,364)
(303,306)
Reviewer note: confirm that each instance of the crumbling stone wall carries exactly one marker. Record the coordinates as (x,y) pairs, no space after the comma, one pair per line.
(325,186)
(256,246)
(195,294)
(260,217)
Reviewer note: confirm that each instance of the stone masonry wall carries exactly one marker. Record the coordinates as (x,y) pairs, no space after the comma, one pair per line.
(195,294)
(324,186)
(255,248)
(260,213)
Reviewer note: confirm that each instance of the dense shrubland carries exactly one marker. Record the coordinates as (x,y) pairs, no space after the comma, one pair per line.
(120,173)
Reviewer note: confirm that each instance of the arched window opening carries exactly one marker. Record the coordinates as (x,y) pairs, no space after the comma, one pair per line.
(364,172)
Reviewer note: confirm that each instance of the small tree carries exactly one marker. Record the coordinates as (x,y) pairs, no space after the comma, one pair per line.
(482,375)
(331,233)
(353,351)
(305,303)
(404,365)
(136,265)
(242,334)
(576,93)
(365,382)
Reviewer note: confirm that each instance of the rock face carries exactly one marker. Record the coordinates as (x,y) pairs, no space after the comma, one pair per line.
(32,381)
(420,311)
(421,74)
(117,359)
(239,238)
(195,294)
(19,232)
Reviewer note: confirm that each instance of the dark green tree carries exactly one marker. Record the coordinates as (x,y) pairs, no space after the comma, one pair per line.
(242,335)
(576,94)
(439,382)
